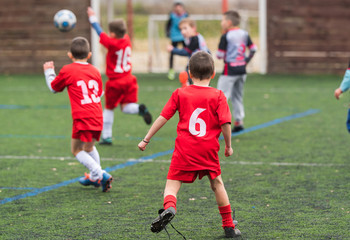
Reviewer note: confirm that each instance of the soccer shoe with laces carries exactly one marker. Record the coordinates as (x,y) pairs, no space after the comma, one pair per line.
(106,141)
(143,111)
(165,216)
(232,232)
(106,181)
(86,181)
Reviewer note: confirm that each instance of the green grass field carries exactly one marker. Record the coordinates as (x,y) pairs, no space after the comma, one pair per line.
(286,180)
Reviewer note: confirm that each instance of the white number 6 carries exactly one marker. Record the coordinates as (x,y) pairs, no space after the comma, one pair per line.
(194,120)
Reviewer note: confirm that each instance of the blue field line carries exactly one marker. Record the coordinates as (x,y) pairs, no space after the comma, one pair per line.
(276,121)
(155,155)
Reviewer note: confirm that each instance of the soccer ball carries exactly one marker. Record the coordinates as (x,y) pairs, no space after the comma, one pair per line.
(64,20)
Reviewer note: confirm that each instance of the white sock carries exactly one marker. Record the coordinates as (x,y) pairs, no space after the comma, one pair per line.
(131,108)
(108,118)
(95,155)
(95,169)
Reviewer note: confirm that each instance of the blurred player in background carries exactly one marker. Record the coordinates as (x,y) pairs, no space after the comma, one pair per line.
(232,48)
(121,87)
(204,114)
(344,86)
(84,85)
(194,41)
(173,32)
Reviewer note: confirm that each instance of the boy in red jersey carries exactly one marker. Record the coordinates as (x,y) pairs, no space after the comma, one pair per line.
(121,87)
(84,85)
(204,114)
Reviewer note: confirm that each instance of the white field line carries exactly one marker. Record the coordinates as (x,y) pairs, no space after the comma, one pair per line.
(168,161)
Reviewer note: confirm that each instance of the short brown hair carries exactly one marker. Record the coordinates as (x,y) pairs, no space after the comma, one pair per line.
(80,48)
(188,21)
(118,27)
(234,17)
(201,65)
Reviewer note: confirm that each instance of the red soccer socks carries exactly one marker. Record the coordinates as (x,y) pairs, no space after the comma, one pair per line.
(225,213)
(169,201)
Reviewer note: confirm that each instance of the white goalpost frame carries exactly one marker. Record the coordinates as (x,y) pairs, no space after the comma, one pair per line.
(263,36)
(153,33)
(96,58)
(95,47)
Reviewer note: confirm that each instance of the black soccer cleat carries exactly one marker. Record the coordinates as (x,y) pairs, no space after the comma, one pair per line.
(237,128)
(165,216)
(143,111)
(232,232)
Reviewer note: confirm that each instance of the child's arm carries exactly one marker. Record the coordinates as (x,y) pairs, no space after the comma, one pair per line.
(167,27)
(50,75)
(221,53)
(226,131)
(93,21)
(158,123)
(252,50)
(344,86)
(251,55)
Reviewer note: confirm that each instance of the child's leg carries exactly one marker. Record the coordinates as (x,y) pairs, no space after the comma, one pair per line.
(172,187)
(92,151)
(237,98)
(129,103)
(108,118)
(169,211)
(222,200)
(84,158)
(130,108)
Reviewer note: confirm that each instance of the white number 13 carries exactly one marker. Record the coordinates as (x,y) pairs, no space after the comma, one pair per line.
(92,84)
(194,120)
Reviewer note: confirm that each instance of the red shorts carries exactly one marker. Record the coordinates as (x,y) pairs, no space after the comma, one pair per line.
(190,176)
(121,91)
(87,129)
(86,135)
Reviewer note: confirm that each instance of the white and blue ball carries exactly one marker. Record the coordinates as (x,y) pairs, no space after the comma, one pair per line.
(65,20)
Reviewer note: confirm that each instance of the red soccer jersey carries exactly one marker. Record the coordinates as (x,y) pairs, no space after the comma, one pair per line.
(84,84)
(202,111)
(118,59)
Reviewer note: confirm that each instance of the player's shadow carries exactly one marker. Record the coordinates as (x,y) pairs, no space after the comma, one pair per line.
(223,237)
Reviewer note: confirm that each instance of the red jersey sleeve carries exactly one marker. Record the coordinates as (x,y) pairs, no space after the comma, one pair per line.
(223,110)
(59,83)
(104,39)
(171,106)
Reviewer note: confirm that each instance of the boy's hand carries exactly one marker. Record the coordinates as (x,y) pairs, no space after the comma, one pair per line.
(337,93)
(90,12)
(142,145)
(48,65)
(170,48)
(228,151)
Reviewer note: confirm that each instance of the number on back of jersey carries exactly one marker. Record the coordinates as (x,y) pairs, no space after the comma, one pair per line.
(123,60)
